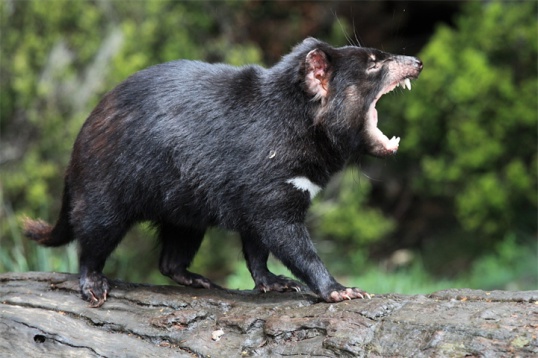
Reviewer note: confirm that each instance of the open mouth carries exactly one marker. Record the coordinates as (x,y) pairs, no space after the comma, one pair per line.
(405,83)
(390,146)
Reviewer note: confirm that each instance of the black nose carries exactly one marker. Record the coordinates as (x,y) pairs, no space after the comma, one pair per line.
(418,64)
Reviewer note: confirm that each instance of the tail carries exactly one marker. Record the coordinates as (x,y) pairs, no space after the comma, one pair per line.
(47,235)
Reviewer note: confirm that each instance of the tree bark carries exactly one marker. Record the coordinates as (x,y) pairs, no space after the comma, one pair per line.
(42,314)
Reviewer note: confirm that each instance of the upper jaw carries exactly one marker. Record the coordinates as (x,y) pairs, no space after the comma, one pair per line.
(402,79)
(401,71)
(404,82)
(401,76)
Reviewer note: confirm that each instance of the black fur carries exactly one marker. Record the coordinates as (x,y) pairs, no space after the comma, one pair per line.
(188,145)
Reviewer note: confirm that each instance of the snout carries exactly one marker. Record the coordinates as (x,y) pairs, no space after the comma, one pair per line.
(412,62)
(417,63)
(408,66)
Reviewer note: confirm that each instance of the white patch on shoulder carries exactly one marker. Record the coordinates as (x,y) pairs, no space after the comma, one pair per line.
(305,184)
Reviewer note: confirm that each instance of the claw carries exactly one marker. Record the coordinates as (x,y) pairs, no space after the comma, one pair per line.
(277,283)
(97,302)
(347,294)
(93,297)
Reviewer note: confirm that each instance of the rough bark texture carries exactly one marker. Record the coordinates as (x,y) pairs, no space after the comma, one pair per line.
(41,314)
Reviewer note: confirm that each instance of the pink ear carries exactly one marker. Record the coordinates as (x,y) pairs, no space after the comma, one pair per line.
(317,74)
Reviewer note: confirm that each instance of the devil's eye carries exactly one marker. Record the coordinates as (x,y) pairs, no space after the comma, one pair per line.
(373,64)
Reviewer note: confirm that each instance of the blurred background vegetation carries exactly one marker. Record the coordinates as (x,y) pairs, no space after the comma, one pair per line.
(456,207)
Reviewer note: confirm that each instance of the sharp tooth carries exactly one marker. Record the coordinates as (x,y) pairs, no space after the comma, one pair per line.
(408,83)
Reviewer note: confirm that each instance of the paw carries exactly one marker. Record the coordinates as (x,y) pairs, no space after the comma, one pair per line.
(94,288)
(278,284)
(187,278)
(202,282)
(347,294)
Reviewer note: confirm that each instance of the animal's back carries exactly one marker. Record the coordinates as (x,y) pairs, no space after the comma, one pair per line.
(139,152)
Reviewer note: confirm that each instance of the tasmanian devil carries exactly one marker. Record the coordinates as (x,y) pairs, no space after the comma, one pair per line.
(188,145)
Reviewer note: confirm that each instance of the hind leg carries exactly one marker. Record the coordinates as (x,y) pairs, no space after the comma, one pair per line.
(94,286)
(256,255)
(179,245)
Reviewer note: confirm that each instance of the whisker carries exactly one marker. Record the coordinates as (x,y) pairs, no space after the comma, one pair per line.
(348,39)
(355,34)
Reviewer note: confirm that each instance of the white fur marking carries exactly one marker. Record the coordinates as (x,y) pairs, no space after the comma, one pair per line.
(304,184)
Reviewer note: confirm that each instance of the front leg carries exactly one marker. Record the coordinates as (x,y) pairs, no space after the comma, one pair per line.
(291,244)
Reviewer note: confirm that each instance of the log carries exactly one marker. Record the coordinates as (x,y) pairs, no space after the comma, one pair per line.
(42,315)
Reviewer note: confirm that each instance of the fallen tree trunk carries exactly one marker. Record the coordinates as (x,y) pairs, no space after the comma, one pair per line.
(41,314)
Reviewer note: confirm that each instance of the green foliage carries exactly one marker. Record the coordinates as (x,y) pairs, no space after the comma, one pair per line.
(344,225)
(468,138)
(510,266)
(470,122)
(413,279)
(347,218)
